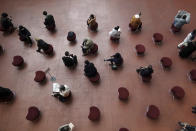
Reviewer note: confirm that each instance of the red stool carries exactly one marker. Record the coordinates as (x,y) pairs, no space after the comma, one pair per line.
(94,114)
(157,37)
(193,75)
(140,49)
(153,112)
(40,76)
(71,38)
(95,78)
(18,61)
(166,62)
(94,49)
(49,51)
(123,129)
(174,29)
(33,113)
(146,79)
(178,92)
(123,93)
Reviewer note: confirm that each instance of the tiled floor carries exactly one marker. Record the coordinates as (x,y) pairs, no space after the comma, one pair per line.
(157,16)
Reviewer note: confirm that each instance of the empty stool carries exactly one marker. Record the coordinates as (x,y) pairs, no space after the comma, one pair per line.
(40,76)
(33,113)
(94,114)
(71,36)
(18,61)
(152,112)
(95,49)
(178,92)
(123,129)
(140,49)
(95,78)
(157,38)
(123,93)
(49,51)
(166,62)
(192,75)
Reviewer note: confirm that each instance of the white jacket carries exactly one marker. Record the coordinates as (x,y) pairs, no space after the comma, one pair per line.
(115,33)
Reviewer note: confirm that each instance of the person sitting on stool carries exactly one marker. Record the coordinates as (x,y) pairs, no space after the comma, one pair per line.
(89,69)
(115,61)
(49,21)
(145,71)
(69,60)
(62,92)
(115,33)
(6,23)
(42,45)
(25,35)
(6,95)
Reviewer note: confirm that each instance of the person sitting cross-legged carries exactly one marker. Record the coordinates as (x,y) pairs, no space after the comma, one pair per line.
(6,24)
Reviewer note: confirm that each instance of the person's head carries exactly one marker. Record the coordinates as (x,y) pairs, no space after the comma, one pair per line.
(20,27)
(66,53)
(193,32)
(184,17)
(70,33)
(4,14)
(62,88)
(92,16)
(117,55)
(150,66)
(66,128)
(86,62)
(45,13)
(116,28)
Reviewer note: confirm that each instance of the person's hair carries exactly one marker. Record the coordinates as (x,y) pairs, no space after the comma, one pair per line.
(184,17)
(86,62)
(193,32)
(117,55)
(4,14)
(62,88)
(66,53)
(45,13)
(20,26)
(116,28)
(92,16)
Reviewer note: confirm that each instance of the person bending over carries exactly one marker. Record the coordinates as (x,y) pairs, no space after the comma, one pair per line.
(188,50)
(115,33)
(42,45)
(87,46)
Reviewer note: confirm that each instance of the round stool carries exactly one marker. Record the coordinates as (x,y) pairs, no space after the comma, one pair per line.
(192,75)
(49,51)
(18,61)
(94,114)
(178,92)
(123,93)
(40,76)
(166,62)
(94,49)
(140,49)
(95,78)
(71,36)
(157,37)
(153,112)
(33,113)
